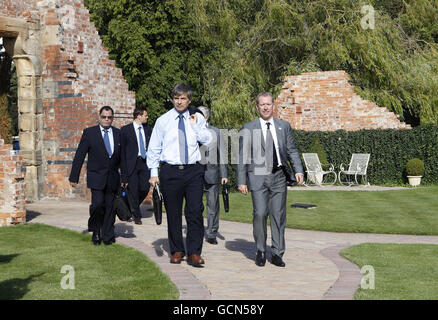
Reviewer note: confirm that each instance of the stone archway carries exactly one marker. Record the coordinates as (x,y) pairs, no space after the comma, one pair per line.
(21,41)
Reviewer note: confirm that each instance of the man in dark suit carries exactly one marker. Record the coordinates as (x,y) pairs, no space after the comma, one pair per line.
(266,145)
(102,144)
(216,173)
(135,173)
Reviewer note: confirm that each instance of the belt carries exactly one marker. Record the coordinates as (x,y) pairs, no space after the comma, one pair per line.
(179,166)
(274,170)
(140,158)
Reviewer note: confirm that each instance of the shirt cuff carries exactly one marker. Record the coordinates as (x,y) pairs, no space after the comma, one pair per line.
(154,172)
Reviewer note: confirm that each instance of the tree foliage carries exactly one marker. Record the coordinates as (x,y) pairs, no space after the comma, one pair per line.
(229,50)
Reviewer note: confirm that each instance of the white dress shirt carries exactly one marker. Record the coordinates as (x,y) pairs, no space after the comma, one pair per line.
(136,126)
(110,136)
(164,142)
(274,135)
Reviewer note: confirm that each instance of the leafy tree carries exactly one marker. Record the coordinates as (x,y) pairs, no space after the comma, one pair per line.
(154,44)
(231,50)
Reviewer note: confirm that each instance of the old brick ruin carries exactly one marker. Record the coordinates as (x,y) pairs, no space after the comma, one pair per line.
(326,101)
(65,76)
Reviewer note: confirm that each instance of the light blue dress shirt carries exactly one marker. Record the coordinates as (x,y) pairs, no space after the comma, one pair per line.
(164,143)
(110,135)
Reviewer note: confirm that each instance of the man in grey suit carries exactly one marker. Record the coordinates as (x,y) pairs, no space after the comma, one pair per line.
(265,147)
(216,172)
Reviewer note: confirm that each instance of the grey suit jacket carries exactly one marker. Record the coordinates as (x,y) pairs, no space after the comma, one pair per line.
(215,159)
(251,167)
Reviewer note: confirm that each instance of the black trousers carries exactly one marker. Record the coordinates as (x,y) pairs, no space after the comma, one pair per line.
(102,217)
(176,185)
(138,184)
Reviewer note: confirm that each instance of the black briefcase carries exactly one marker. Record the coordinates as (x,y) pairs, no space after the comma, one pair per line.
(123,204)
(157,199)
(225,192)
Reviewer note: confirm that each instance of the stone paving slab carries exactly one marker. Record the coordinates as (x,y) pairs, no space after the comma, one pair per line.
(314,269)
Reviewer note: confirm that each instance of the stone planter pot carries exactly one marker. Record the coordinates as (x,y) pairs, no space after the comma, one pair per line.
(414,180)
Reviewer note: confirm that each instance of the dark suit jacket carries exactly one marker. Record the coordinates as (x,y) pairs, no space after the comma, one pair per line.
(130,148)
(215,159)
(251,169)
(101,170)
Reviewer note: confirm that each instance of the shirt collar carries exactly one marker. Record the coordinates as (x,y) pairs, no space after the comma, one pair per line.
(185,113)
(136,125)
(271,121)
(102,128)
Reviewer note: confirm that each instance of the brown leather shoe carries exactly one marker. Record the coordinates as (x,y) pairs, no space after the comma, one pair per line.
(195,260)
(176,257)
(138,221)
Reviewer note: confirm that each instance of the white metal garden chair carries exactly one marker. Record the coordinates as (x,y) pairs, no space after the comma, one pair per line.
(315,173)
(357,170)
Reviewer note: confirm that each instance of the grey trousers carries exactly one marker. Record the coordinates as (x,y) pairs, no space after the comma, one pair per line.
(212,195)
(270,200)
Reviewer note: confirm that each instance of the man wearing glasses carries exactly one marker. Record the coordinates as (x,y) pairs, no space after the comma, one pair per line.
(102,144)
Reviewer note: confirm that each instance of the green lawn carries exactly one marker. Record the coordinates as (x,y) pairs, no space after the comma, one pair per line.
(32,255)
(402,271)
(410,211)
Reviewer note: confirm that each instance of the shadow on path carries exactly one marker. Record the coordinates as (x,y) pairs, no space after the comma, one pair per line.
(161,246)
(247,248)
(124,231)
(30,215)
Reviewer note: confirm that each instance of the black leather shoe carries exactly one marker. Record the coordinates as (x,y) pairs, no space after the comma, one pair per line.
(212,241)
(276,260)
(96,238)
(138,221)
(260,259)
(107,243)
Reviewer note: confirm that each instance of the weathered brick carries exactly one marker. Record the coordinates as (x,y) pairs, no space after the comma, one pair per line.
(326,101)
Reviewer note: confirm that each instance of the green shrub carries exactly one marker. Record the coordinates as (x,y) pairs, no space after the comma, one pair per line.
(389,150)
(415,167)
(317,147)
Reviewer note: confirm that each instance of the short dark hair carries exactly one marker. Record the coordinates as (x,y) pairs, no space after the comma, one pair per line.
(138,111)
(264,94)
(182,88)
(106,108)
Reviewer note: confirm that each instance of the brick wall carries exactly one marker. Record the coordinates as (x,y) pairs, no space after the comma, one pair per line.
(78,78)
(326,101)
(12,186)
(74,78)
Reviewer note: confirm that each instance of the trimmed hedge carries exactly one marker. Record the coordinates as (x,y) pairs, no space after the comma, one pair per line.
(390,150)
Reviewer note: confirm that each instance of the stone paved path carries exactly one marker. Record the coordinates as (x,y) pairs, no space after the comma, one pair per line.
(314,270)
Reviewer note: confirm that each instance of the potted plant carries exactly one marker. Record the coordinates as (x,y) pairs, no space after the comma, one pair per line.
(415,170)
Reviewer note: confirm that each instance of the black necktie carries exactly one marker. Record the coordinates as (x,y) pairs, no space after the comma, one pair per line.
(270,142)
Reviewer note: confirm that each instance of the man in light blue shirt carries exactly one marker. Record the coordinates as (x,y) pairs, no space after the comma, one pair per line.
(174,146)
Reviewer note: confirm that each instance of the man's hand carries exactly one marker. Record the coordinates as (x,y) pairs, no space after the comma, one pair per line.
(154,180)
(73,184)
(224,180)
(243,189)
(300,178)
(124,184)
(193,119)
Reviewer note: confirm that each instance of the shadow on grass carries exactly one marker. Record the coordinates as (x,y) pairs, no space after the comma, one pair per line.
(14,289)
(7,258)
